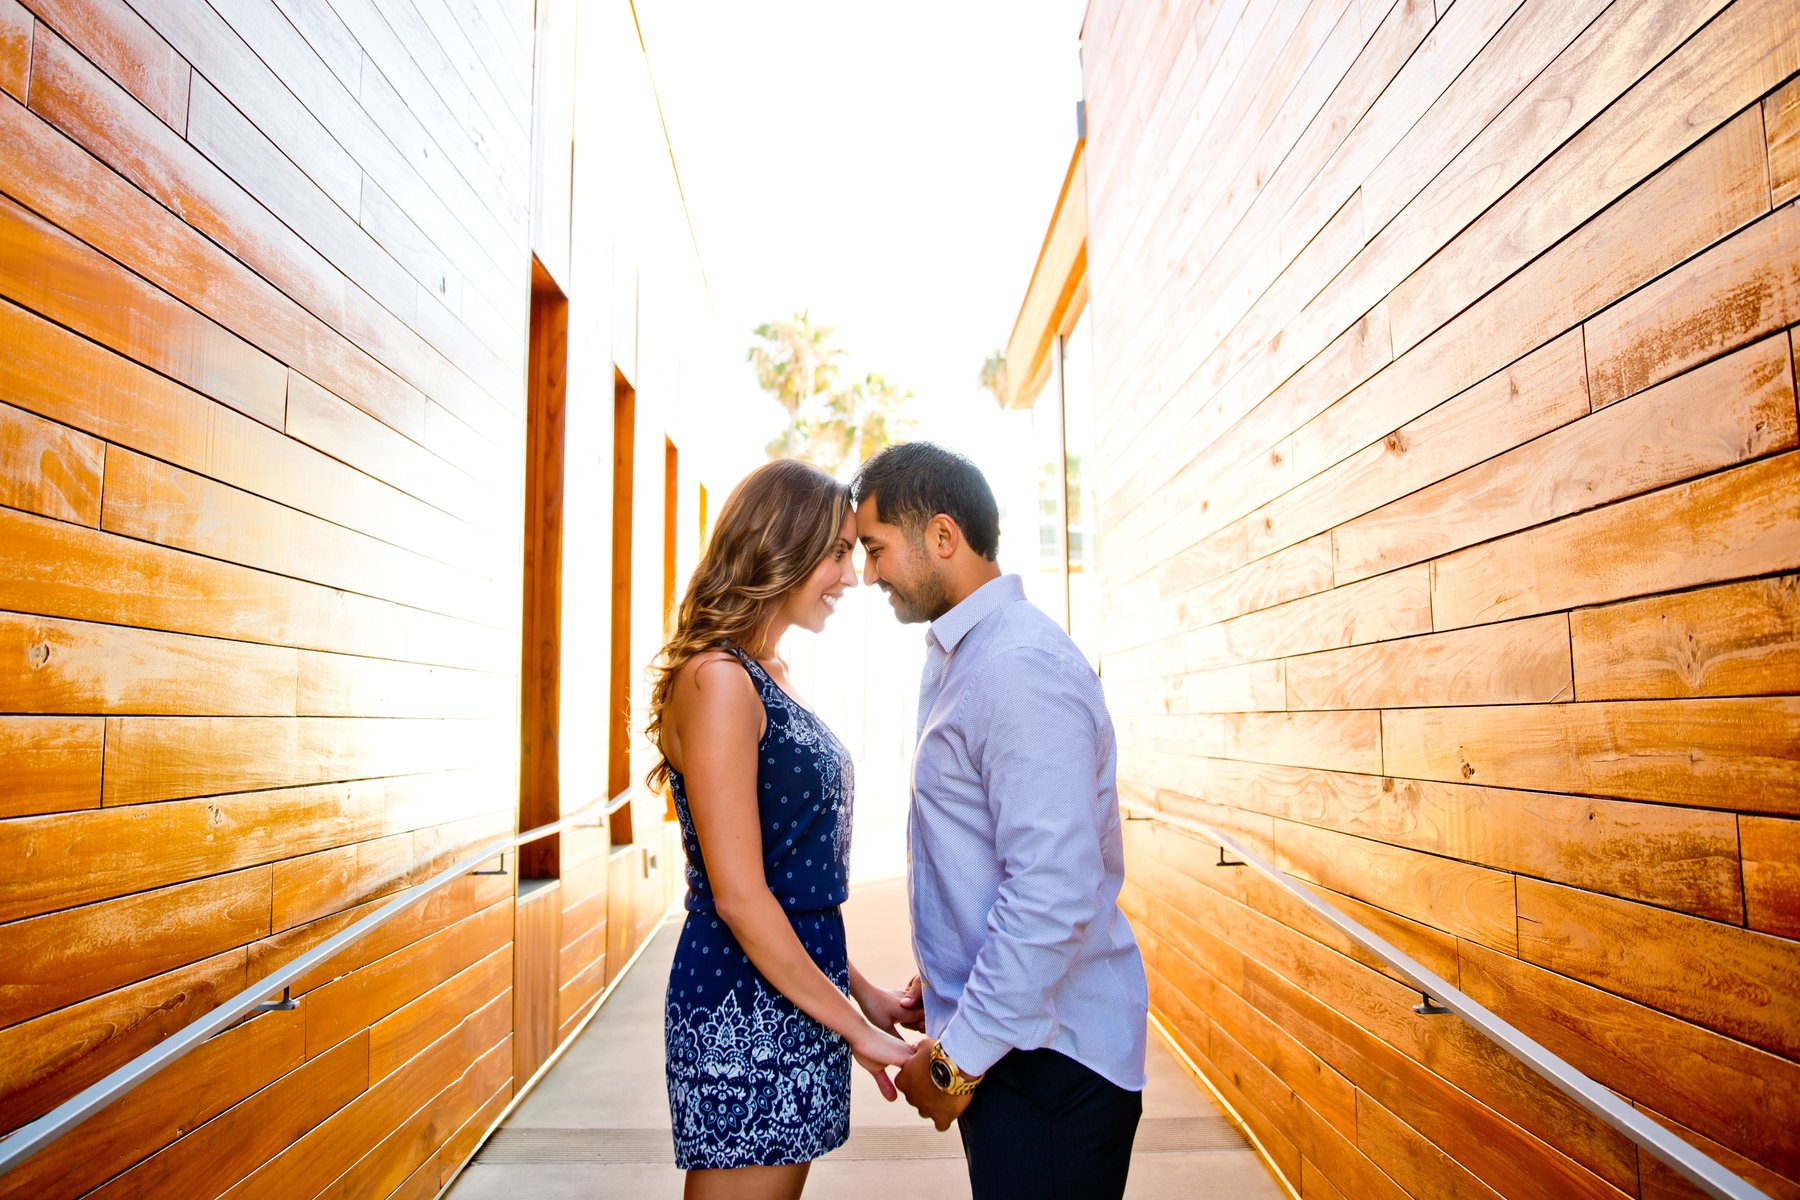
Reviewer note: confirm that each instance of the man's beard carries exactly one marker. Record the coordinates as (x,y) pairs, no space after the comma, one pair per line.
(928,601)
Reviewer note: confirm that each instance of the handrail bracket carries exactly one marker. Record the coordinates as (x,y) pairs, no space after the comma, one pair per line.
(287,1003)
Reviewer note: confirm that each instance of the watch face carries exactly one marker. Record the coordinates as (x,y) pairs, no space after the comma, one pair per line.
(940,1075)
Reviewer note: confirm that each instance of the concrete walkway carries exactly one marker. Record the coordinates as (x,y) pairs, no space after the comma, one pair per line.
(598,1124)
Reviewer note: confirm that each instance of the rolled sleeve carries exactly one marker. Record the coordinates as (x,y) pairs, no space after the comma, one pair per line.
(1039,753)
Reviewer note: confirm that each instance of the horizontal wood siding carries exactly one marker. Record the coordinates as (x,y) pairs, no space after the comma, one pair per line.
(1450,525)
(264,292)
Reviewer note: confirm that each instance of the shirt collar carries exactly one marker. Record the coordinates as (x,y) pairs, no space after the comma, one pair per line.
(950,629)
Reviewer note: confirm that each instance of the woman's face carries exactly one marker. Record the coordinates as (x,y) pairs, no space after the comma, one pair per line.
(810,604)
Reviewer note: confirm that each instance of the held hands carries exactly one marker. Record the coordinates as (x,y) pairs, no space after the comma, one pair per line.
(938,1107)
(877,1050)
(881,1046)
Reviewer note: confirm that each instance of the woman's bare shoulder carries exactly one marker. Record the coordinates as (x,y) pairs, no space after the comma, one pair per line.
(714,683)
(710,665)
(715,700)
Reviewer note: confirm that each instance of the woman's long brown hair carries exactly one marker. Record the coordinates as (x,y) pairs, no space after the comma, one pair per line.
(776,526)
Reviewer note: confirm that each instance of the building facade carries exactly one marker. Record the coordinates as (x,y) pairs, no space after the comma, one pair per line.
(1449,521)
(342,362)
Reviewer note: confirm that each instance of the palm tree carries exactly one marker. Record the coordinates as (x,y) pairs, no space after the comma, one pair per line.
(854,423)
(794,362)
(993,376)
(873,414)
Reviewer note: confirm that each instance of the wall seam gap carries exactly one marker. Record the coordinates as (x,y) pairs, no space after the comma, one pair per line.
(1762,118)
(1737,821)
(187,105)
(30,59)
(1569,629)
(1587,367)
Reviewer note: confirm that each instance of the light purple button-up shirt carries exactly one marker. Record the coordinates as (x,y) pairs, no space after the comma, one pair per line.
(1016,852)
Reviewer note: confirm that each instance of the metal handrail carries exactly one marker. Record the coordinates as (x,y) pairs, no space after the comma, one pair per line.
(33,1136)
(1439,997)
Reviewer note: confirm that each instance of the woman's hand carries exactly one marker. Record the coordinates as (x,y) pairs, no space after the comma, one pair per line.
(875,1052)
(887,1009)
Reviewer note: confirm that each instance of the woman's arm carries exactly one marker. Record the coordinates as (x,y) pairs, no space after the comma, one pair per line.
(719,720)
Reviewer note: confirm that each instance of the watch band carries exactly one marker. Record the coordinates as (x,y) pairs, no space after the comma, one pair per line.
(947,1077)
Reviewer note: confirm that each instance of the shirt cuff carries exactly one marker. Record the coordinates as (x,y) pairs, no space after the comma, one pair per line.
(972,1054)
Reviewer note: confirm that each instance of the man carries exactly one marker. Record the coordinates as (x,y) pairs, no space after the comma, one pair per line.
(1033,987)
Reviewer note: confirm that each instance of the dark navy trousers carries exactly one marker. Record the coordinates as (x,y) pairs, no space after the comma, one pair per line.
(1044,1127)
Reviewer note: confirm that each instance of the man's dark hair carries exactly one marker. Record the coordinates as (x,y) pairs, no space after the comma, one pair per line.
(915,481)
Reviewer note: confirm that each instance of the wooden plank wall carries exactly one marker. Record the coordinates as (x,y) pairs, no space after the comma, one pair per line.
(264,303)
(1451,538)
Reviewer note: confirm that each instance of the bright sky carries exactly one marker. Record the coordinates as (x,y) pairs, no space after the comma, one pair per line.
(891,168)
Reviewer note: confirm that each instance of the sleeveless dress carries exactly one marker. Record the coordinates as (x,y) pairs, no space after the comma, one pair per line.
(752,1079)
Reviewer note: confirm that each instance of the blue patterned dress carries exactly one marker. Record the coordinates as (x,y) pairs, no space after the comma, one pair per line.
(752,1079)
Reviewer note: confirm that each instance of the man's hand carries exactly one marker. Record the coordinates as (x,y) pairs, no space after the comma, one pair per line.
(892,1011)
(914,1081)
(912,1001)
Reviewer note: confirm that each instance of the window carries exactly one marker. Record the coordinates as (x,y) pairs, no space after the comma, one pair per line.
(540,801)
(1046,576)
(1080,503)
(618,753)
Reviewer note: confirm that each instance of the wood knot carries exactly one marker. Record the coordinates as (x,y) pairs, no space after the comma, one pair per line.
(1468,770)
(39,654)
(1396,442)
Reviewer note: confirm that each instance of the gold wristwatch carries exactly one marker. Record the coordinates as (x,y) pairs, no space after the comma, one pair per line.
(946,1077)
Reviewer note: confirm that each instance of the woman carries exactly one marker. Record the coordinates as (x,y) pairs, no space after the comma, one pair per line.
(758,1028)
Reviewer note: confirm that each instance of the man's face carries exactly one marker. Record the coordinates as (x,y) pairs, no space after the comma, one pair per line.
(901,567)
